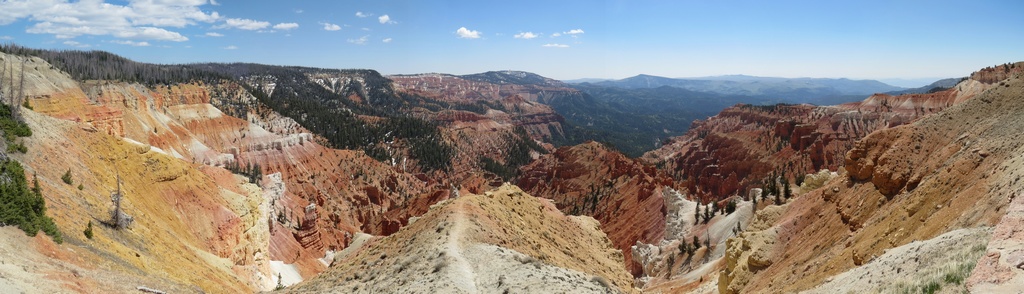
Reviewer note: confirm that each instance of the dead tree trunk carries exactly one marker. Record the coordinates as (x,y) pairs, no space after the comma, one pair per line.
(3,73)
(16,106)
(119,219)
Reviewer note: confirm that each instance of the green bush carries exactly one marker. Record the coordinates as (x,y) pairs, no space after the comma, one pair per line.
(88,231)
(66,177)
(22,206)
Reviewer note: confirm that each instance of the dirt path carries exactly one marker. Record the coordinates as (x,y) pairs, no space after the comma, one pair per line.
(464,276)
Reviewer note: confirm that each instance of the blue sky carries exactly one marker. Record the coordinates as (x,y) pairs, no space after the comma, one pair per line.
(558,39)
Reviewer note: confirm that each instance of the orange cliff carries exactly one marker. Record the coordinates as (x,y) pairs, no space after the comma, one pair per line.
(590,179)
(349,192)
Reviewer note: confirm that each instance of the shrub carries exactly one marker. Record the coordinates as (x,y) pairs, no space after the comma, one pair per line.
(67,177)
(80,187)
(88,231)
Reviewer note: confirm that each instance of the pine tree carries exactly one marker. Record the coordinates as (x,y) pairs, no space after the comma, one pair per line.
(696,213)
(707,213)
(787,192)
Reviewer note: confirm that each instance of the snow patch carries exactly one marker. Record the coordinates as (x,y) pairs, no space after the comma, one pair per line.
(288,273)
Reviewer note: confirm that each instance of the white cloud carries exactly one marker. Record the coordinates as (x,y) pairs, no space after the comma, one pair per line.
(360,14)
(331,26)
(465,33)
(130,43)
(574,32)
(244,24)
(556,35)
(139,19)
(526,35)
(361,41)
(214,2)
(232,47)
(299,11)
(385,19)
(386,40)
(6,38)
(555,45)
(286,26)
(214,34)
(76,44)
(151,33)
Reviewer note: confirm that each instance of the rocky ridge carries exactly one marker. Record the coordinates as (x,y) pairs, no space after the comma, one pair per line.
(503,240)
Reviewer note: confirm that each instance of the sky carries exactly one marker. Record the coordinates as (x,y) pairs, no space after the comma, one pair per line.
(568,39)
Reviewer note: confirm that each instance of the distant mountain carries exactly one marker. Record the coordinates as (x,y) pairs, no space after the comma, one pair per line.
(795,90)
(513,77)
(909,83)
(936,86)
(585,80)
(635,120)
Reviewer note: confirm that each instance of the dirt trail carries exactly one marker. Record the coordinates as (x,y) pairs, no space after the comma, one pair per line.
(465,277)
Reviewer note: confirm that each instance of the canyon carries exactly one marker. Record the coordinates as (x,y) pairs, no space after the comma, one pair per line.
(229,195)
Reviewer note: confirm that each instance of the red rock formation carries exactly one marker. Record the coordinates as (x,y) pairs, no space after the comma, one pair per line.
(955,169)
(750,142)
(589,179)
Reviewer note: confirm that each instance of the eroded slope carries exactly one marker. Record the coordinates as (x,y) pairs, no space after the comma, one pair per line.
(504,240)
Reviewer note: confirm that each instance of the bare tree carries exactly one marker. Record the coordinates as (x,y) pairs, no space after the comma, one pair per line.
(3,73)
(10,88)
(16,100)
(119,219)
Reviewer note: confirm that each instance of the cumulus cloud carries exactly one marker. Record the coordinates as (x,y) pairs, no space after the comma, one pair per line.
(232,47)
(465,33)
(555,45)
(385,19)
(130,43)
(360,14)
(386,40)
(136,19)
(244,24)
(574,32)
(526,35)
(556,35)
(361,41)
(142,19)
(6,38)
(330,26)
(286,26)
(214,34)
